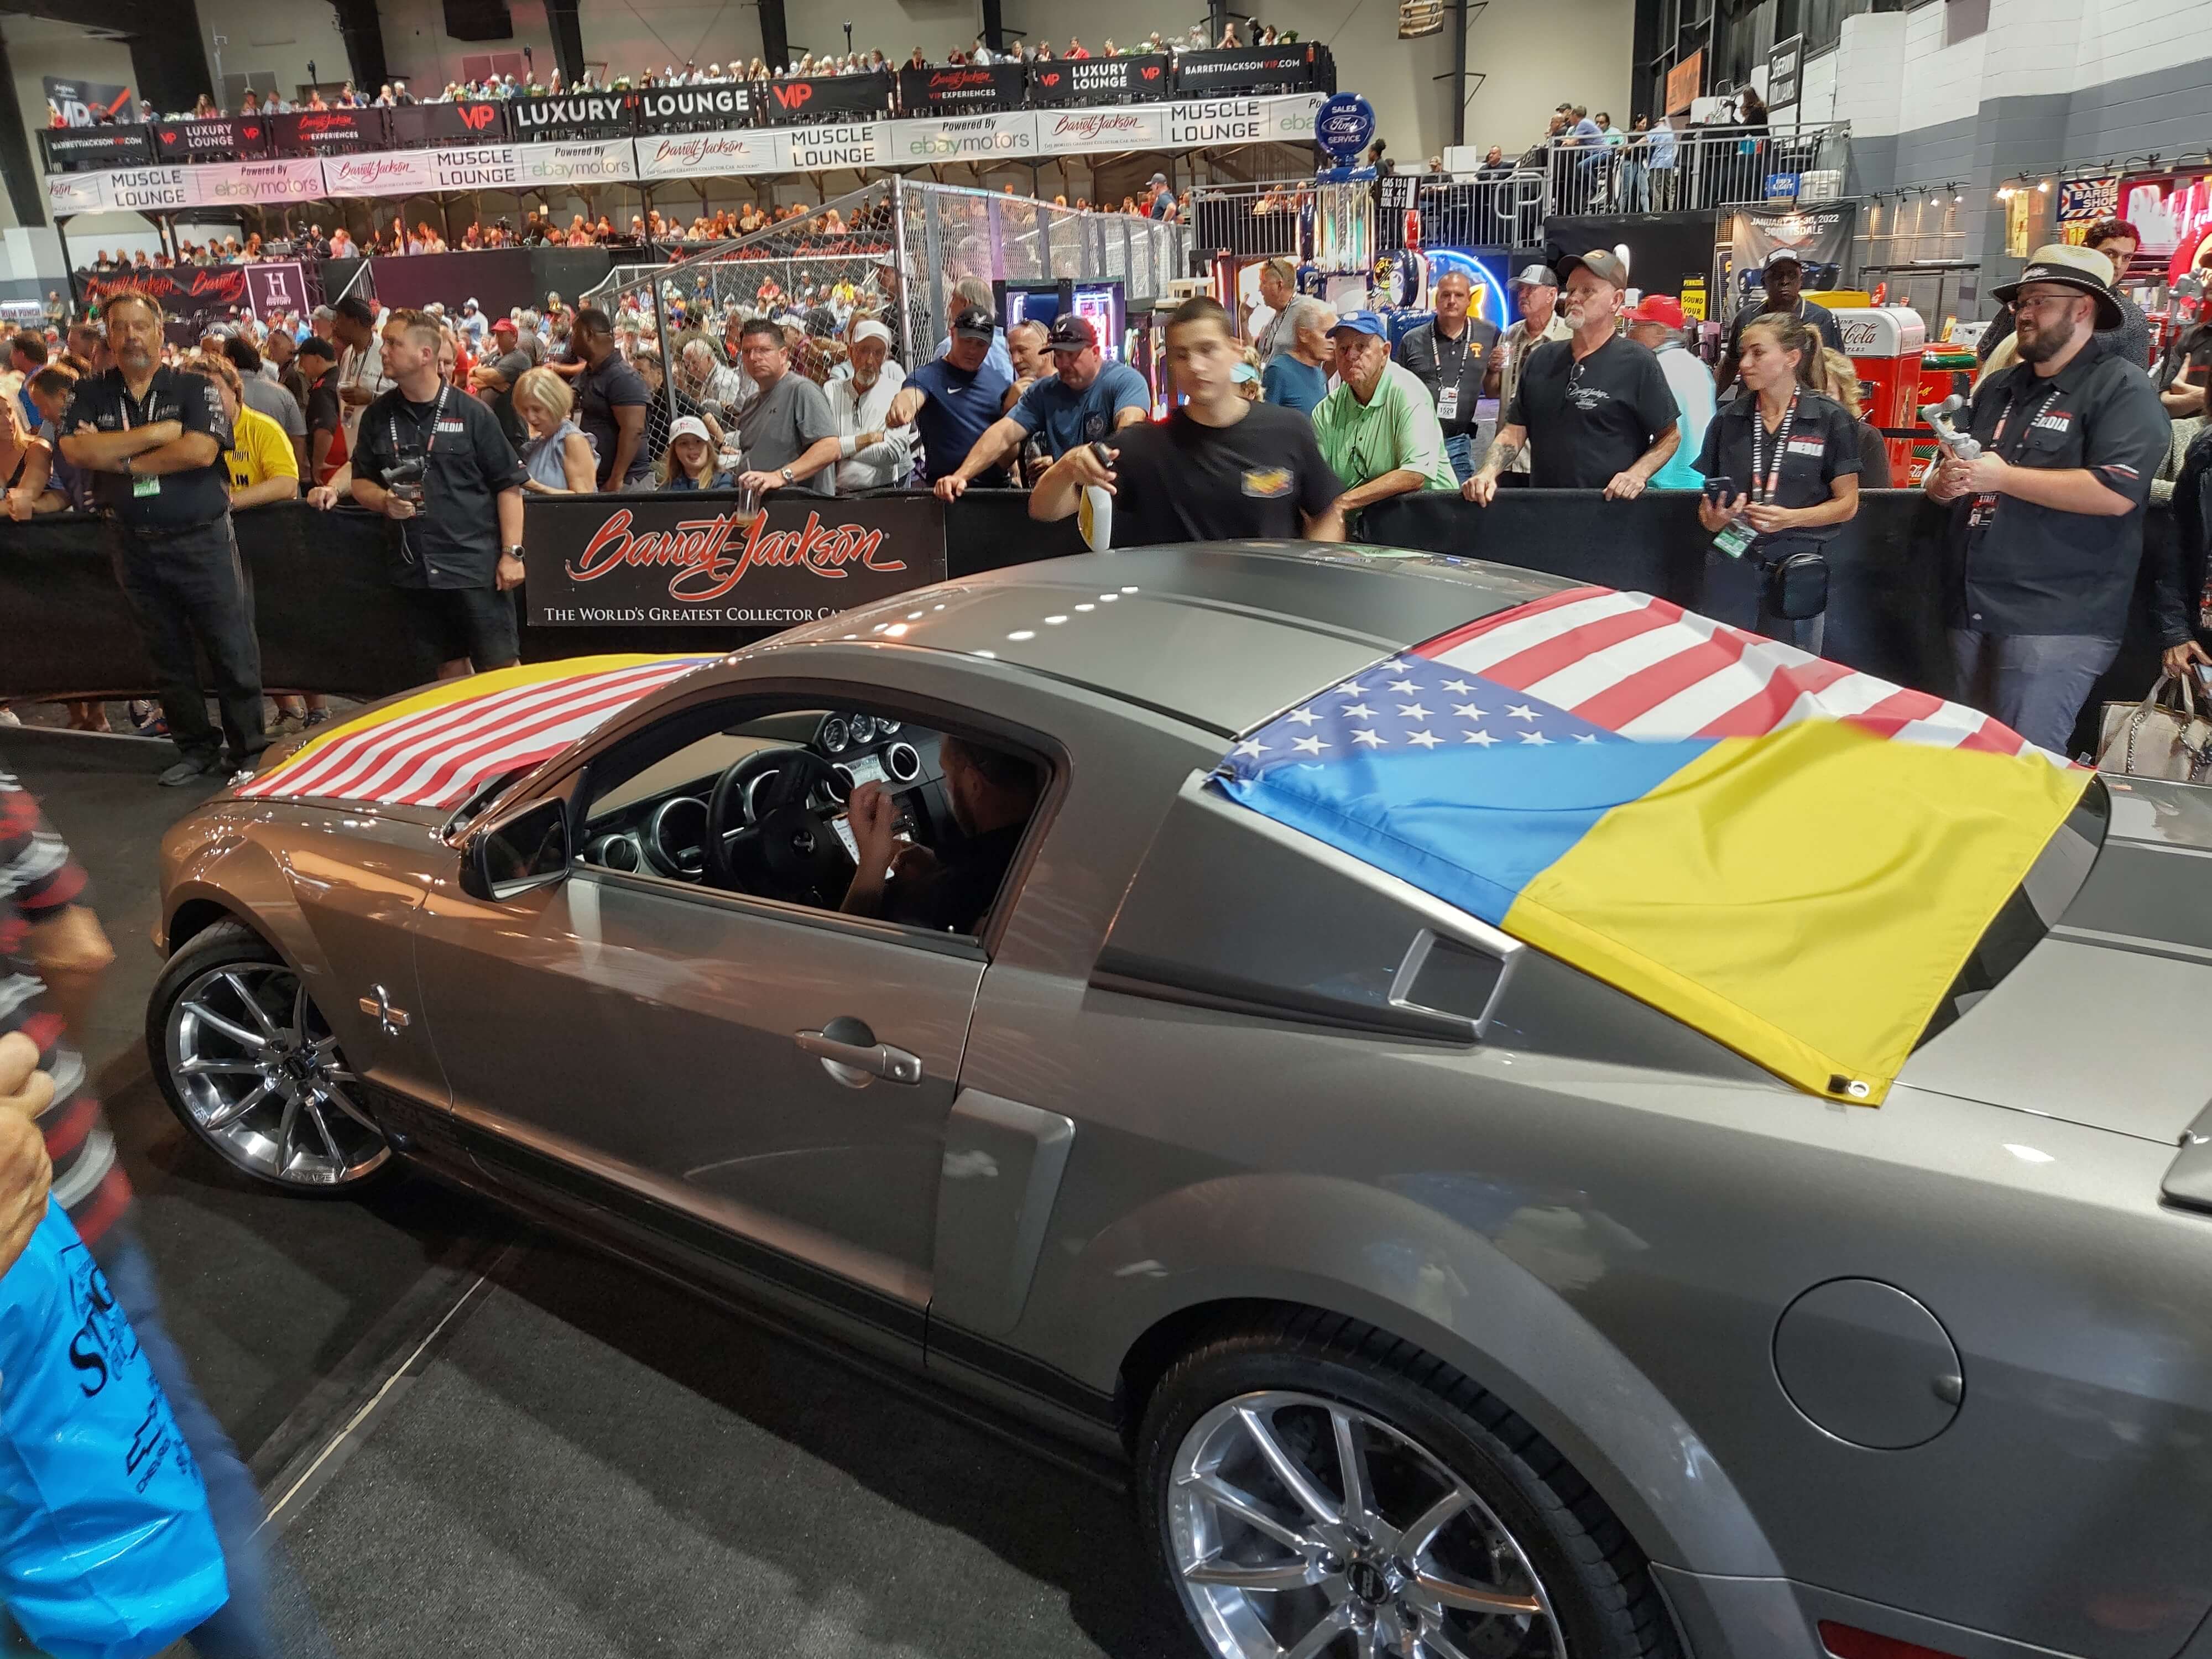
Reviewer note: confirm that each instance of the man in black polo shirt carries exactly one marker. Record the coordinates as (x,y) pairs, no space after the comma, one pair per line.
(433,461)
(1594,410)
(1218,469)
(611,399)
(1451,355)
(155,439)
(1782,278)
(2046,524)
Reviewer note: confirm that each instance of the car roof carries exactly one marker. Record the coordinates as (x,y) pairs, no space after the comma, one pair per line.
(1223,634)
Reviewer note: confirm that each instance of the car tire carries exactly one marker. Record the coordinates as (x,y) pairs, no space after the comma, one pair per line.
(1534,1533)
(250,1068)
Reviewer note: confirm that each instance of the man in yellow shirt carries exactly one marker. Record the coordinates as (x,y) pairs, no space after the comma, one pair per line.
(261,461)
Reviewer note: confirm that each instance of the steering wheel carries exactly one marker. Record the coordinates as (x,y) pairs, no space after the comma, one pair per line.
(777,846)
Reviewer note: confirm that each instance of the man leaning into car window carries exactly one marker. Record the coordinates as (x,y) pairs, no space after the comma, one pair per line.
(992,795)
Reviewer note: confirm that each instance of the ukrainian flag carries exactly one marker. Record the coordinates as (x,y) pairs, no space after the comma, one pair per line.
(1787,855)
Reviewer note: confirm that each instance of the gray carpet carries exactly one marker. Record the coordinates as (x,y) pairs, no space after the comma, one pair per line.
(596,1464)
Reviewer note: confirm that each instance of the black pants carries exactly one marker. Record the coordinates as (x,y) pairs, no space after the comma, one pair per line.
(187,587)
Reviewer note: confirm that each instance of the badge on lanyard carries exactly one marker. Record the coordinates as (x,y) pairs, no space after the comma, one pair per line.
(145,484)
(1448,403)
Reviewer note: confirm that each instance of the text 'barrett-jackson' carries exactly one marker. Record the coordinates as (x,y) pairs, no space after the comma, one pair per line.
(700,549)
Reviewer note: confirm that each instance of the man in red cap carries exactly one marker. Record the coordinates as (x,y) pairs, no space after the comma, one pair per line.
(1658,322)
(494,377)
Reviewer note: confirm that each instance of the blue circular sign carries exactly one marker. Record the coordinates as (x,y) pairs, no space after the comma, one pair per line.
(1344,123)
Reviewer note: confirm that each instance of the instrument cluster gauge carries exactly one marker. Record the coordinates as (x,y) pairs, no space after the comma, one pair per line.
(864,728)
(835,735)
(886,728)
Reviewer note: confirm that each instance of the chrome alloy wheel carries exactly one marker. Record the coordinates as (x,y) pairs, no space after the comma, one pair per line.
(1303,1527)
(257,1068)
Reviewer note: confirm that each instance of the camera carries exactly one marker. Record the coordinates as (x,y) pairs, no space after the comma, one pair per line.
(405,479)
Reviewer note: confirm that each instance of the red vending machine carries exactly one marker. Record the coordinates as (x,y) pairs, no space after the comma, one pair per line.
(1885,344)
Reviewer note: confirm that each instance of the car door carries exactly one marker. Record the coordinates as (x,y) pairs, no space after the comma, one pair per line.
(678,1055)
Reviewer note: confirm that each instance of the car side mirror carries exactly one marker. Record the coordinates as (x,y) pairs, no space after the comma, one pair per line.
(516,853)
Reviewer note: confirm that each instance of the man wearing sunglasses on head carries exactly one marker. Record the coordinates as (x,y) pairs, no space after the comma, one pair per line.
(1594,410)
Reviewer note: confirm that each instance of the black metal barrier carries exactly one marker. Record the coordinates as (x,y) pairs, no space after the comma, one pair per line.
(327,614)
(331,621)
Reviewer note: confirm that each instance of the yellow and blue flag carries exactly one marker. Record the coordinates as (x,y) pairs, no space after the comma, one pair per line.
(1790,855)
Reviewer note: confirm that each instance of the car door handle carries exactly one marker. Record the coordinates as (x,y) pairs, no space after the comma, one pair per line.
(854,1063)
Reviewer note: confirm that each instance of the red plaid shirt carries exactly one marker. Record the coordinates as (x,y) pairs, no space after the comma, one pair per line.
(38,879)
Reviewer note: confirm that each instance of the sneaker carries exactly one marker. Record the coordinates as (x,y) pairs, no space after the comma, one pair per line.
(190,770)
(314,718)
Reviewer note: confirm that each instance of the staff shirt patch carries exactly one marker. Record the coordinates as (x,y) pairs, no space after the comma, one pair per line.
(1267,482)
(1808,446)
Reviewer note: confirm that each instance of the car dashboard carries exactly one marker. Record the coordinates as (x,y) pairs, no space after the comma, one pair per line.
(655,823)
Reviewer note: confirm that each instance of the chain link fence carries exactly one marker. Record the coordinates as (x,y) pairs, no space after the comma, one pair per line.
(892,252)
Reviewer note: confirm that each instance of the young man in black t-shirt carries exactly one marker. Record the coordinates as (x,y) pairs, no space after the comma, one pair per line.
(1218,469)
(1593,410)
(457,501)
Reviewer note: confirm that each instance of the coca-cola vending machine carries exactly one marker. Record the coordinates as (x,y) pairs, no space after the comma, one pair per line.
(1884,343)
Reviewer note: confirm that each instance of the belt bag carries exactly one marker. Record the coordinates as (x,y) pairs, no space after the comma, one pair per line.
(2160,736)
(1795,585)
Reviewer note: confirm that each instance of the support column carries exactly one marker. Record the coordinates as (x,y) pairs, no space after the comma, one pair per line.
(171,75)
(776,33)
(1459,26)
(26,193)
(568,39)
(994,25)
(364,43)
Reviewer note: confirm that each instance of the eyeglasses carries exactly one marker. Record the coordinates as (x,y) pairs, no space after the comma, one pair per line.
(2045,301)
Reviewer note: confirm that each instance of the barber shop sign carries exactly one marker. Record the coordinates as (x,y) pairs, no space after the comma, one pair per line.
(700,559)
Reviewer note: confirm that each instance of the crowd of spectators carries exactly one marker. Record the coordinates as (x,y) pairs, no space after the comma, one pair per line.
(397,94)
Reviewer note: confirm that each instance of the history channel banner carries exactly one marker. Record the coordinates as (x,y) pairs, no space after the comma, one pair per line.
(697,559)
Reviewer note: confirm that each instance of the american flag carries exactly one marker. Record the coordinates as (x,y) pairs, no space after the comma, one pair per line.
(438,755)
(1592,666)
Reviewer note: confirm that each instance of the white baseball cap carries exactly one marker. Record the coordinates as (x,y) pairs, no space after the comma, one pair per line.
(871,330)
(688,426)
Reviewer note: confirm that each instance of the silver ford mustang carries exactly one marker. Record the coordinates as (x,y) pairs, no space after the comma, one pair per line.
(1444,1300)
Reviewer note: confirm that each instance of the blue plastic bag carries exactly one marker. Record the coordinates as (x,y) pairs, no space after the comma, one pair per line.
(107,1548)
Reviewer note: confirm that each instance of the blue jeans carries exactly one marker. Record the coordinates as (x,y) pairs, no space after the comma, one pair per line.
(2034,683)
(241,1629)
(1459,450)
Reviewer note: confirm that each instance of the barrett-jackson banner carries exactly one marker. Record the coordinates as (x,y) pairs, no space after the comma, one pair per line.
(710,107)
(946,88)
(578,115)
(81,103)
(215,134)
(328,132)
(476,120)
(184,292)
(1100,80)
(79,149)
(1247,68)
(694,558)
(827,97)
(1820,235)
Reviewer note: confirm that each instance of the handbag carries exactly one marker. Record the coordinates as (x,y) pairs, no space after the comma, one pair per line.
(1796,585)
(2157,738)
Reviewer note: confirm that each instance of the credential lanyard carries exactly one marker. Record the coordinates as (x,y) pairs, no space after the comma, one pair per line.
(1985,504)
(437,412)
(1765,481)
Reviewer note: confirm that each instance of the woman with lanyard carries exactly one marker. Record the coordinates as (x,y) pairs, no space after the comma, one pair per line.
(1781,465)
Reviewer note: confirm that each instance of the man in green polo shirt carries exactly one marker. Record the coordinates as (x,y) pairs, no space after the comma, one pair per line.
(1378,429)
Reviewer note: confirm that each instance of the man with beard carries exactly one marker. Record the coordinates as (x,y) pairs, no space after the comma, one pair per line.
(2047,525)
(155,439)
(872,454)
(1594,410)
(1784,279)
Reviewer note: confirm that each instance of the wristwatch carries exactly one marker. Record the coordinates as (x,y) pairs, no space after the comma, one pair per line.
(787,474)
(515,553)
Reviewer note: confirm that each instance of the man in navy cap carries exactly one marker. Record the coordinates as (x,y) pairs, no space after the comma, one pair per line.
(1082,402)
(1378,429)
